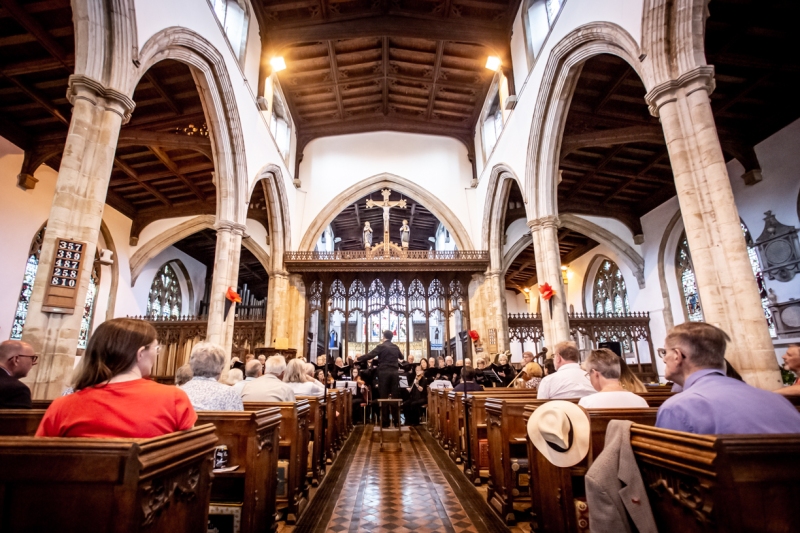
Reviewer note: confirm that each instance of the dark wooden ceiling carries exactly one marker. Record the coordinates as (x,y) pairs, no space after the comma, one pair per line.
(349,223)
(403,65)
(202,246)
(521,273)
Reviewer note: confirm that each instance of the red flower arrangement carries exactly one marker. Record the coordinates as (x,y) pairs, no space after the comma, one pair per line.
(474,335)
(546,291)
(233,296)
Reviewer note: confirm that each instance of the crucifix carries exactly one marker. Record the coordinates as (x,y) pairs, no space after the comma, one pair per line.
(386,205)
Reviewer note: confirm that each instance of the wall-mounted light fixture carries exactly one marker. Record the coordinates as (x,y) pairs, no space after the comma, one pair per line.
(493,63)
(565,274)
(278,64)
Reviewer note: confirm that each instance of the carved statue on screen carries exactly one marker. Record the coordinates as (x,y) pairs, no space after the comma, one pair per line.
(405,234)
(367,235)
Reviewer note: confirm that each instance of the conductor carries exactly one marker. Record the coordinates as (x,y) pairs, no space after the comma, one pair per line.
(389,357)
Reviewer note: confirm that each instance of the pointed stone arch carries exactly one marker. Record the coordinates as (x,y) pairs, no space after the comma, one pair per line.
(271,178)
(552,105)
(500,181)
(396,183)
(219,105)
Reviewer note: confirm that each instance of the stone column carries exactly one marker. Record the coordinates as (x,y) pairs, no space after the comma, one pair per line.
(226,274)
(555,323)
(76,213)
(278,308)
(728,290)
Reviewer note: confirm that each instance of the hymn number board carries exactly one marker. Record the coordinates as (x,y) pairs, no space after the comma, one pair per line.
(62,290)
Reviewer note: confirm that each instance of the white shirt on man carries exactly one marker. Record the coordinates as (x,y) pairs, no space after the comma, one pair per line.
(239,385)
(613,400)
(570,381)
(267,388)
(309,388)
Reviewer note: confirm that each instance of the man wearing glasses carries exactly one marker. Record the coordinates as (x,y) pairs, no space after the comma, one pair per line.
(712,403)
(16,360)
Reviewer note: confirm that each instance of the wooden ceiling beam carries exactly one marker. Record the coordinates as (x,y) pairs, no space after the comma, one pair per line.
(44,38)
(591,174)
(648,165)
(162,92)
(611,137)
(138,137)
(37,65)
(436,67)
(385,66)
(613,88)
(334,69)
(395,25)
(131,173)
(42,101)
(175,171)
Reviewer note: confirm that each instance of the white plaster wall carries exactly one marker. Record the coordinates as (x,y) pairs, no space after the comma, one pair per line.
(22,213)
(153,16)
(258,233)
(516,230)
(437,164)
(515,302)
(141,290)
(519,55)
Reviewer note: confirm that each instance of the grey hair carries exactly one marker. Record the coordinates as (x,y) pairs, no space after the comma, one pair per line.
(253,368)
(207,360)
(309,368)
(183,374)
(235,375)
(275,365)
(295,372)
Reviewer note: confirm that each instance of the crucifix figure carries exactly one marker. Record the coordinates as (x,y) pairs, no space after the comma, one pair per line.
(386,205)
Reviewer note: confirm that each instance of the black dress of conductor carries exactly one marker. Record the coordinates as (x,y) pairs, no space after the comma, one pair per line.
(389,357)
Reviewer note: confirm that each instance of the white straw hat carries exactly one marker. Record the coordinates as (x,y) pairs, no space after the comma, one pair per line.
(560,431)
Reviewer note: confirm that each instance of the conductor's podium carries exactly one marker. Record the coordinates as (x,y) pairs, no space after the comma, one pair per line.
(391,434)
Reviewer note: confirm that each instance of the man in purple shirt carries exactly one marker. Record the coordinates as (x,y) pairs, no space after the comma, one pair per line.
(711,403)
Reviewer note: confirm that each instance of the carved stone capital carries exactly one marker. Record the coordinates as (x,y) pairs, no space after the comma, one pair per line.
(85,88)
(700,78)
(549,221)
(231,227)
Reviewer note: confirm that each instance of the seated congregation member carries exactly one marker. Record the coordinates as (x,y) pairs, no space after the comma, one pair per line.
(16,360)
(182,375)
(270,387)
(467,381)
(628,379)
(235,375)
(204,389)
(309,370)
(549,367)
(504,370)
(252,371)
(295,377)
(569,380)
(791,361)
(603,367)
(112,398)
(712,403)
(527,357)
(530,377)
(418,396)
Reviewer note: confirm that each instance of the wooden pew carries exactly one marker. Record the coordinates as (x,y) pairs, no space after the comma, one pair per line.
(348,411)
(431,422)
(442,417)
(293,447)
(331,428)
(20,422)
(252,441)
(554,490)
(316,427)
(475,425)
(40,404)
(341,426)
(506,430)
(107,485)
(709,483)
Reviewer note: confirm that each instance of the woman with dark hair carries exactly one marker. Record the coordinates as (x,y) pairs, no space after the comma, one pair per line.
(113,398)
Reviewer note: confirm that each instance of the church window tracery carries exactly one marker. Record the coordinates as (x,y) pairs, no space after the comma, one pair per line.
(232,14)
(610,296)
(165,297)
(762,288)
(688,282)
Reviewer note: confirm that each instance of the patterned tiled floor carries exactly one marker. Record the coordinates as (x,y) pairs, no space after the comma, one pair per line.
(399,491)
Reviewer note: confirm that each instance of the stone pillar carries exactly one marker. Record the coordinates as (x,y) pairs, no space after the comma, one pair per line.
(555,323)
(226,274)
(278,309)
(76,213)
(725,278)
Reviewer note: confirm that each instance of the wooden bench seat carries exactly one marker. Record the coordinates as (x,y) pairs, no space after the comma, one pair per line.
(252,441)
(107,485)
(316,428)
(554,490)
(293,448)
(709,483)
(331,428)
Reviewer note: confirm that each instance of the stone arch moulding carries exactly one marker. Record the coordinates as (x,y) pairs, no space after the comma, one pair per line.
(669,319)
(396,183)
(516,249)
(625,251)
(552,104)
(220,108)
(494,211)
(271,178)
(112,294)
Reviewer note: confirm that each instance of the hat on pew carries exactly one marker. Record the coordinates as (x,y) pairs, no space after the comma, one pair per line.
(560,431)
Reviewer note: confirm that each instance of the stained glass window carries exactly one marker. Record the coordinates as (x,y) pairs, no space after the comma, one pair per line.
(165,294)
(88,308)
(610,295)
(688,283)
(762,288)
(27,285)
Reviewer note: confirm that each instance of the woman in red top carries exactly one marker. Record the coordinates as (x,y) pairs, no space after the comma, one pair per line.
(113,399)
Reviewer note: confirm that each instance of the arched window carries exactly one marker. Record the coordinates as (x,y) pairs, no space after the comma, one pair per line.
(27,287)
(538,18)
(762,288)
(610,296)
(687,281)
(165,294)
